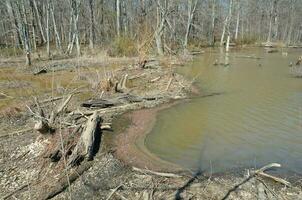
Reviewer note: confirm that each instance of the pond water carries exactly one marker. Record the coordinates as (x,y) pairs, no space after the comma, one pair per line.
(256,119)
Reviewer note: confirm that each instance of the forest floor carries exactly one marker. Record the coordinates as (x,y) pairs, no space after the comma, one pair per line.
(121,169)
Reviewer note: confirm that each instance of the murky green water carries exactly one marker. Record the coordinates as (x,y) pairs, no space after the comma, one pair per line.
(256,120)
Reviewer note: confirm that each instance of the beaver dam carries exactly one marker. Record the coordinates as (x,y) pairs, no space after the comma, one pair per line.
(251,116)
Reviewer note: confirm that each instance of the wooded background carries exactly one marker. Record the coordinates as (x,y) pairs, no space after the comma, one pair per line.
(161,26)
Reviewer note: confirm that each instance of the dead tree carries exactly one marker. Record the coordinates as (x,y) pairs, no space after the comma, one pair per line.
(191,11)
(162,13)
(226,26)
(237,20)
(118,18)
(85,147)
(47,30)
(38,20)
(91,25)
(57,35)
(74,32)
(17,37)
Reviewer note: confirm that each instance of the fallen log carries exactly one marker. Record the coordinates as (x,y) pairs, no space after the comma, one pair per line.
(41,71)
(20,132)
(57,153)
(65,180)
(86,145)
(42,125)
(107,110)
(299,60)
(116,101)
(249,56)
(155,79)
(271,50)
(146,171)
(149,64)
(60,109)
(121,85)
(99,103)
(169,83)
(261,172)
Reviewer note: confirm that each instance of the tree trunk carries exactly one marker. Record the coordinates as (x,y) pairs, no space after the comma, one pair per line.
(226,23)
(191,11)
(161,19)
(270,25)
(57,36)
(16,32)
(47,30)
(38,19)
(238,19)
(118,16)
(91,25)
(212,38)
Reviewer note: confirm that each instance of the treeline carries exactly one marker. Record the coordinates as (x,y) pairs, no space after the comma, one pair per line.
(132,26)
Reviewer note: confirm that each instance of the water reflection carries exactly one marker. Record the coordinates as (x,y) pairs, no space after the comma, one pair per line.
(256,120)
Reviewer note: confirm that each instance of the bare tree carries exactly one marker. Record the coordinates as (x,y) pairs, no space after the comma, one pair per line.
(118,16)
(91,25)
(191,11)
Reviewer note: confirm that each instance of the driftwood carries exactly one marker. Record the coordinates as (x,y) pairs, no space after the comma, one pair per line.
(121,85)
(3,95)
(60,109)
(65,180)
(15,191)
(116,101)
(193,53)
(261,172)
(106,110)
(270,50)
(99,103)
(155,79)
(45,125)
(169,83)
(137,76)
(20,132)
(57,153)
(249,56)
(113,191)
(149,64)
(41,71)
(299,60)
(87,143)
(42,125)
(146,171)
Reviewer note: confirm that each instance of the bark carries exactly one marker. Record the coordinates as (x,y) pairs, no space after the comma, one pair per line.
(38,19)
(238,20)
(86,145)
(47,31)
(191,12)
(57,35)
(21,19)
(213,19)
(226,23)
(118,16)
(91,25)
(13,21)
(228,26)
(74,32)
(161,21)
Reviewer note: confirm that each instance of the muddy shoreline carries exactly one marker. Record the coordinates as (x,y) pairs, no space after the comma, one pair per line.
(130,143)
